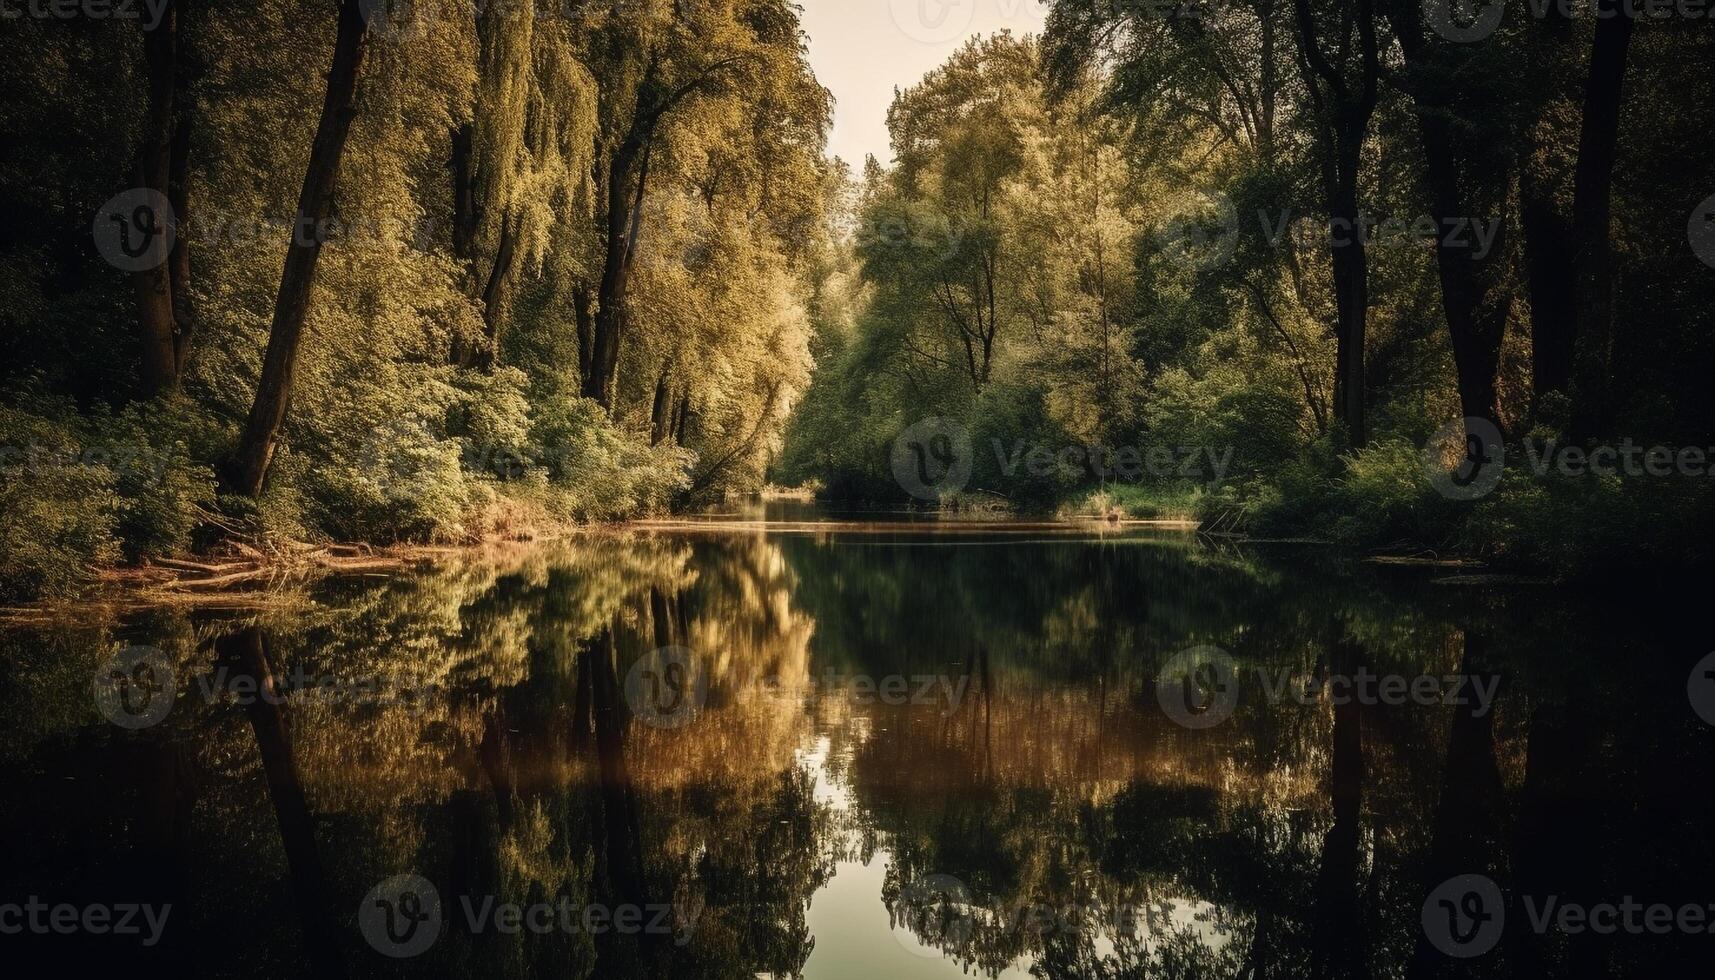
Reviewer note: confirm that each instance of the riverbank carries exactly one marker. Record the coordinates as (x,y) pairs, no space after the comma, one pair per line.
(241,576)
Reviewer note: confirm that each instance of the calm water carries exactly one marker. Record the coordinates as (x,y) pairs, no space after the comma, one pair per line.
(874,751)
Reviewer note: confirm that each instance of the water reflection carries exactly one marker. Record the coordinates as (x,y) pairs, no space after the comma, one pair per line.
(909,753)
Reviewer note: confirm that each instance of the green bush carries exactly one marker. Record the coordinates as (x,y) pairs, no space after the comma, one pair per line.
(58,513)
(598,471)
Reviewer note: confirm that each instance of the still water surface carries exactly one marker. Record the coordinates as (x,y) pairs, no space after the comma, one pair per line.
(858,750)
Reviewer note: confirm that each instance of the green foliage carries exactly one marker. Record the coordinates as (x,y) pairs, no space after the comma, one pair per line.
(80,492)
(436,395)
(602,471)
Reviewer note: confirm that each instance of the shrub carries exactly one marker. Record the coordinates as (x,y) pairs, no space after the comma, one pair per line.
(58,513)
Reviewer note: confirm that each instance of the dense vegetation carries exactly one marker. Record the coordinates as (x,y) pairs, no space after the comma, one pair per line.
(435,271)
(1131,235)
(540,265)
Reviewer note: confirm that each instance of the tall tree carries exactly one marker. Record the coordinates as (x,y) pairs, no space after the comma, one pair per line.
(1592,220)
(1343,90)
(163,146)
(1469,171)
(1545,224)
(489,161)
(315,205)
(647,70)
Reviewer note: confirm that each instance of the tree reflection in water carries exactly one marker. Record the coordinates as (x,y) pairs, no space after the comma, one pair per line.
(1093,837)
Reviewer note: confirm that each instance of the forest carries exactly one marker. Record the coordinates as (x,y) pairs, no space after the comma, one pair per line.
(1412,279)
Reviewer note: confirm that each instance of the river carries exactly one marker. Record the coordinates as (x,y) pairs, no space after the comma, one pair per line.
(761,744)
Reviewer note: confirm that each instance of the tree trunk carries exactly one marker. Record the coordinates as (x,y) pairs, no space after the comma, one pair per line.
(1548,250)
(154,287)
(466,215)
(179,195)
(485,356)
(1351,295)
(1475,303)
(682,419)
(1346,108)
(624,221)
(247,654)
(1337,948)
(1553,309)
(658,421)
(1591,220)
(582,302)
(315,204)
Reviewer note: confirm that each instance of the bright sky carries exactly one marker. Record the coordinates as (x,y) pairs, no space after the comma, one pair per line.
(862,49)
